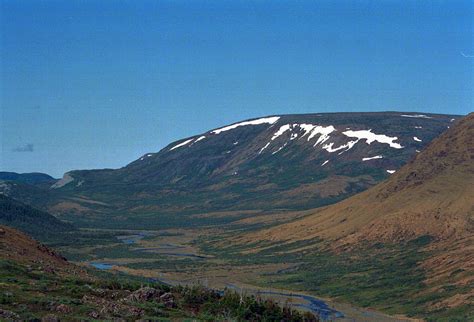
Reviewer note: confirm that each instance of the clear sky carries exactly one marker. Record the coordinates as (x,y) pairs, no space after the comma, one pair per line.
(96,84)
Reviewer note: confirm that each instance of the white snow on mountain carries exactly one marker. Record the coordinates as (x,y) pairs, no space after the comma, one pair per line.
(371,137)
(420,116)
(349,145)
(146,156)
(265,120)
(200,138)
(372,158)
(262,149)
(281,130)
(280,148)
(181,144)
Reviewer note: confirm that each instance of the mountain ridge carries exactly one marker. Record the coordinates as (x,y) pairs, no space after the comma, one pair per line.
(292,162)
(441,171)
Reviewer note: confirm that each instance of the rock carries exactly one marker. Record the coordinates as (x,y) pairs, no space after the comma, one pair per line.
(99,292)
(94,315)
(166,297)
(168,300)
(4,314)
(63,308)
(170,304)
(144,294)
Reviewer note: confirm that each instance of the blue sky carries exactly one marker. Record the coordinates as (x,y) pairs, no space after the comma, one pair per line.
(95,84)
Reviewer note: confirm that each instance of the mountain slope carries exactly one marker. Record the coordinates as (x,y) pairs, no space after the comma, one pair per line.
(431,195)
(278,162)
(32,221)
(428,203)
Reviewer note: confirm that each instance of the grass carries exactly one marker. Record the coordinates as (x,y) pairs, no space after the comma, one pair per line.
(386,277)
(31,294)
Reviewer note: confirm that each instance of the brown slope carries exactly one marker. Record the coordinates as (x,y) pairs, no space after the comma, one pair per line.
(20,248)
(432,195)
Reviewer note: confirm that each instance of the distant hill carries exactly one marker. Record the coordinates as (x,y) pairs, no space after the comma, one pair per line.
(35,222)
(286,162)
(30,178)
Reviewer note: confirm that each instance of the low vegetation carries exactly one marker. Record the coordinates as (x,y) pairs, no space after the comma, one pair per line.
(29,293)
(386,277)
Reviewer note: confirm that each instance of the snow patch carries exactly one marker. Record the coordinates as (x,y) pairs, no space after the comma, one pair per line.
(420,116)
(418,127)
(325,162)
(265,120)
(309,130)
(200,138)
(372,158)
(324,132)
(391,171)
(371,137)
(280,148)
(349,145)
(416,139)
(266,146)
(181,144)
(281,131)
(146,156)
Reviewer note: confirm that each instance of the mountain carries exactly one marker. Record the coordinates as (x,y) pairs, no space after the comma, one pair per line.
(30,178)
(429,201)
(32,221)
(431,195)
(287,162)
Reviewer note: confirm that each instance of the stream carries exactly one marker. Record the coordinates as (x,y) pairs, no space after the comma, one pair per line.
(297,300)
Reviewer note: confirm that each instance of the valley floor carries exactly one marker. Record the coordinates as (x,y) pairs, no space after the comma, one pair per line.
(187,256)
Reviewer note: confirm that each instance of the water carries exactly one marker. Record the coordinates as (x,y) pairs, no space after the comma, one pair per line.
(103,266)
(133,239)
(311,303)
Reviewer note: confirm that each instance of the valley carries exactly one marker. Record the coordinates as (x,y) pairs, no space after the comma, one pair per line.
(360,237)
(175,258)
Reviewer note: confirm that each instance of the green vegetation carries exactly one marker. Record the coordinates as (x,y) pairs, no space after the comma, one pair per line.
(29,293)
(385,277)
(38,224)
